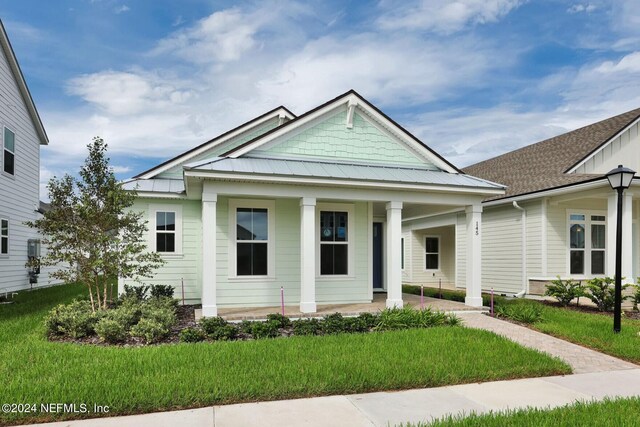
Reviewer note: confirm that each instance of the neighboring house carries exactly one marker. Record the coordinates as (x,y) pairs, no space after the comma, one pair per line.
(557,217)
(21,135)
(313,204)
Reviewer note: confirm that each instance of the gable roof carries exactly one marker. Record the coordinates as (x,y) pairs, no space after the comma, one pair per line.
(22,85)
(350,97)
(545,165)
(218,140)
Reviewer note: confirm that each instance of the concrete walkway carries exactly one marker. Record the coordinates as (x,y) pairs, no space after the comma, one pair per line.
(392,408)
(582,360)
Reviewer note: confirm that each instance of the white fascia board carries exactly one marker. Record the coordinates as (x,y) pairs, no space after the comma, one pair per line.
(344,183)
(160,195)
(602,147)
(549,193)
(185,157)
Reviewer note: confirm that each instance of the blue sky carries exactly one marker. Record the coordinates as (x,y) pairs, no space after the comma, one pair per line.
(471,78)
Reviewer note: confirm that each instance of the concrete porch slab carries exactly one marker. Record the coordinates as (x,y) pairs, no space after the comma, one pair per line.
(378,304)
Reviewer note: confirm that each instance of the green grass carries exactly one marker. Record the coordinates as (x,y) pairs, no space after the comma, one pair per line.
(448,294)
(591,330)
(613,413)
(165,377)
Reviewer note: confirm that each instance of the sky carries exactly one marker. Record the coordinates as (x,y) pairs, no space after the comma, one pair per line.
(471,78)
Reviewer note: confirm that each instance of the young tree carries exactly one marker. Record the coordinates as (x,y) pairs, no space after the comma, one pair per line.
(91,234)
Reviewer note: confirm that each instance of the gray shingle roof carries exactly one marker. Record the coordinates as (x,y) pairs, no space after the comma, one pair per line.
(543,165)
(319,169)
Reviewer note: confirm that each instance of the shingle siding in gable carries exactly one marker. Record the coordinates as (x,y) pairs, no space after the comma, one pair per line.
(331,139)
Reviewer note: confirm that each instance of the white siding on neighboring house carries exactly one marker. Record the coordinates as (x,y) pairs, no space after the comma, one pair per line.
(19,194)
(624,149)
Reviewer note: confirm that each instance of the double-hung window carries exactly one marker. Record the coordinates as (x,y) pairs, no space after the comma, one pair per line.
(587,236)
(334,243)
(9,152)
(431,253)
(165,229)
(251,239)
(4,236)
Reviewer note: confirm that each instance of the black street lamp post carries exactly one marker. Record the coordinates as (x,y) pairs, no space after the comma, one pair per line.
(620,179)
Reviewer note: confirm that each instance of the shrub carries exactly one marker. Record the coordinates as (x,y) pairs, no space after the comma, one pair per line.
(150,330)
(128,314)
(355,325)
(227,332)
(408,317)
(635,297)
(192,334)
(165,316)
(602,292)
(245,327)
(334,324)
(210,324)
(521,312)
(111,331)
(74,320)
(565,291)
(159,291)
(137,293)
(261,330)
(163,302)
(279,319)
(307,327)
(370,319)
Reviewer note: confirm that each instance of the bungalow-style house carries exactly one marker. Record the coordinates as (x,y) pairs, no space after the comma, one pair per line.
(21,135)
(556,218)
(312,203)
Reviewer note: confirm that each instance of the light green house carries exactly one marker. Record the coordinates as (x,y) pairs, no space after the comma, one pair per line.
(313,204)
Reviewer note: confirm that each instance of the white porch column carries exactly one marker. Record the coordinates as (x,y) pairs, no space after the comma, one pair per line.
(393,264)
(474,256)
(209,226)
(308,255)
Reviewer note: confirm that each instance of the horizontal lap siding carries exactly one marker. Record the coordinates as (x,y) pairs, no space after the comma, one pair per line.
(188,266)
(502,249)
(19,195)
(446,272)
(534,238)
(461,250)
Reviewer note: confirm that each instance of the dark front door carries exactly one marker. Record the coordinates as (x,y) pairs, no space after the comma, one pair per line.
(377,255)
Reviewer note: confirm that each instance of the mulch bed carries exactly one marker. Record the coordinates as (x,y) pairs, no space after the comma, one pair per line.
(185,315)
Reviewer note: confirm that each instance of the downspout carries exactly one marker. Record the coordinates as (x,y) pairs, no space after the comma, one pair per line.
(522,293)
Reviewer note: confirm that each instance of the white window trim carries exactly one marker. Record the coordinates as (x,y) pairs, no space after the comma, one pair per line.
(177,209)
(8,237)
(424,252)
(15,166)
(337,207)
(587,241)
(270,206)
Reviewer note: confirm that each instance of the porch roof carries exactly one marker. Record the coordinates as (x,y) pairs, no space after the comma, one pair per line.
(335,170)
(157,185)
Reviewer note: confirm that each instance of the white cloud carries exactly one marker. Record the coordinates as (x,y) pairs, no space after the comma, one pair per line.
(121,9)
(579,7)
(120,169)
(443,16)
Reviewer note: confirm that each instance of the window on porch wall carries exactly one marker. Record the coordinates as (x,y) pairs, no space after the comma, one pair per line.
(587,244)
(334,243)
(252,238)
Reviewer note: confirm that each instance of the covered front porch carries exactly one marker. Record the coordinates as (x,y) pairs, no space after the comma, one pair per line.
(353,309)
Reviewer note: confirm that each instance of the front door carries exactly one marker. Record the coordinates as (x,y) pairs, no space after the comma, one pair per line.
(377,256)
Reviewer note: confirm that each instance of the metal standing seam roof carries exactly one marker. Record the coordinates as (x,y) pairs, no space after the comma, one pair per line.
(155,185)
(317,169)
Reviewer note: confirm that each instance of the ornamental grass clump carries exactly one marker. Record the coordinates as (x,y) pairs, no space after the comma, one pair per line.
(524,312)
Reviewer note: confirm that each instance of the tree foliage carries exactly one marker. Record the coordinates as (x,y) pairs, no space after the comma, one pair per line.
(91,234)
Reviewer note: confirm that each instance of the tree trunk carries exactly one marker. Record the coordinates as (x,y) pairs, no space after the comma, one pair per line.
(93,305)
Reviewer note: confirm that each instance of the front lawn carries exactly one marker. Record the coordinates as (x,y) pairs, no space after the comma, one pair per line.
(592,330)
(165,377)
(614,413)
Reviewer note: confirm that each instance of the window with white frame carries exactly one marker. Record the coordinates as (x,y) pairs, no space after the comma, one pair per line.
(9,152)
(251,238)
(165,226)
(334,243)
(4,236)
(432,252)
(587,247)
